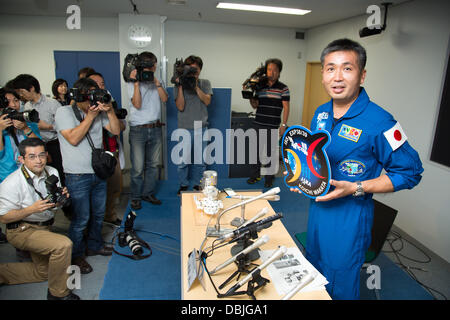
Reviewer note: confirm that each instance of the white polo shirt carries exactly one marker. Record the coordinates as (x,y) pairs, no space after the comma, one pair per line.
(151,104)
(17,194)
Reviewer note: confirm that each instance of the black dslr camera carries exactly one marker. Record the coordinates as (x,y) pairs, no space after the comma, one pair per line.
(254,83)
(94,96)
(29,115)
(185,74)
(55,194)
(121,113)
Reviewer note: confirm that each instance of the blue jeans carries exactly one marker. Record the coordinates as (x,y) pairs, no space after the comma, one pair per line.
(88,193)
(196,169)
(145,155)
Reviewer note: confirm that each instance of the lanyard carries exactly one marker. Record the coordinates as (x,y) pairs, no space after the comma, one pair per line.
(30,180)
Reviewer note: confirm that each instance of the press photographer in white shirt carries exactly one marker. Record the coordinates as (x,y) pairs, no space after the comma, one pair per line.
(28,216)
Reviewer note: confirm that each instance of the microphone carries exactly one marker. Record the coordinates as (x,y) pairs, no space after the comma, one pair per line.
(270,198)
(257,216)
(275,256)
(216,231)
(303,283)
(247,228)
(264,239)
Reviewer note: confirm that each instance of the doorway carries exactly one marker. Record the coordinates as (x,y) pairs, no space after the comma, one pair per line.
(315,95)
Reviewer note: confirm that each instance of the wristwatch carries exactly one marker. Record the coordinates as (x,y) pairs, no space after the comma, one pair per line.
(359,190)
(283,125)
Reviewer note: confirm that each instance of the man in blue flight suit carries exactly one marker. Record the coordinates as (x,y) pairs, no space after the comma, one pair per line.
(364,140)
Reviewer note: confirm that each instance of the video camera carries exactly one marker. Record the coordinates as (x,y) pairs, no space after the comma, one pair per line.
(254,83)
(94,96)
(185,74)
(29,115)
(55,194)
(134,61)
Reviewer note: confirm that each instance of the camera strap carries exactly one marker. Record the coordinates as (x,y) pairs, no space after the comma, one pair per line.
(30,180)
(12,133)
(134,257)
(78,116)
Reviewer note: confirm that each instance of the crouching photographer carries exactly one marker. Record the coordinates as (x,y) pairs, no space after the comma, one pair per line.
(78,126)
(27,208)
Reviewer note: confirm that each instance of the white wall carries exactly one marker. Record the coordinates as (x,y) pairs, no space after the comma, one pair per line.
(27,44)
(230,53)
(404,75)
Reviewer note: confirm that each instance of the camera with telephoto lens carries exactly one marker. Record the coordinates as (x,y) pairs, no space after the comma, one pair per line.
(93,96)
(254,83)
(55,193)
(99,95)
(29,115)
(185,74)
(129,237)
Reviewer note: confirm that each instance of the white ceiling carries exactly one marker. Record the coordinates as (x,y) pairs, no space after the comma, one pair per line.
(323,11)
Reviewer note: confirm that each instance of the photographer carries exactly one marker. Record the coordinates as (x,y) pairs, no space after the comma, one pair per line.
(271,101)
(145,130)
(192,101)
(28,215)
(112,143)
(12,132)
(29,90)
(87,190)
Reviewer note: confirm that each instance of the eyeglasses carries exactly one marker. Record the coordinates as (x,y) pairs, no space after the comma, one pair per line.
(42,156)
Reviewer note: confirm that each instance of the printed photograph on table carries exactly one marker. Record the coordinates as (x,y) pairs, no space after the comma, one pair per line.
(306,161)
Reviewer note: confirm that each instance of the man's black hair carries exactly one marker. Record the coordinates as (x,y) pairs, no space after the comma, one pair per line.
(346,45)
(85,84)
(30,142)
(95,74)
(26,81)
(275,61)
(85,70)
(194,59)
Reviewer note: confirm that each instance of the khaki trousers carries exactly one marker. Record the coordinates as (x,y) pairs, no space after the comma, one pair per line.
(50,253)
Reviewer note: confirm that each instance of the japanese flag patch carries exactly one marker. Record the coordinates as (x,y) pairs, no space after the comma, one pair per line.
(395,136)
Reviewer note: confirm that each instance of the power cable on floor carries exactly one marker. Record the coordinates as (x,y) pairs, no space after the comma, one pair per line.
(395,238)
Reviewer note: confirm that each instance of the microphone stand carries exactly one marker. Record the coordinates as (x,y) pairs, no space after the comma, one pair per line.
(243,262)
(254,284)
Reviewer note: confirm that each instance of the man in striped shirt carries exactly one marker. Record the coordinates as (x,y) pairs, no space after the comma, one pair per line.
(270,102)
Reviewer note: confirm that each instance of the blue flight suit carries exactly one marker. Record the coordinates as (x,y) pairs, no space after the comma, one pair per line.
(339,231)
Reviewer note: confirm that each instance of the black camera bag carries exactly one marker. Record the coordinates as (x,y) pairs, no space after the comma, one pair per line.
(103,162)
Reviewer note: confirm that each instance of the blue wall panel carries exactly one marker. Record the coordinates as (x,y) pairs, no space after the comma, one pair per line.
(219,116)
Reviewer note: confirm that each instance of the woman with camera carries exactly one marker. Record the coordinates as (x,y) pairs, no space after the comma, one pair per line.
(12,132)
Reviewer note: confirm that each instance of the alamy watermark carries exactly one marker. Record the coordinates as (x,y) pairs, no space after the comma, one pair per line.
(196,141)
(374,280)
(374,20)
(73,22)
(74,279)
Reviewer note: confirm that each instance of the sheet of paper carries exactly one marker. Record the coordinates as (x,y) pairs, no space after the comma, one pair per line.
(286,272)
